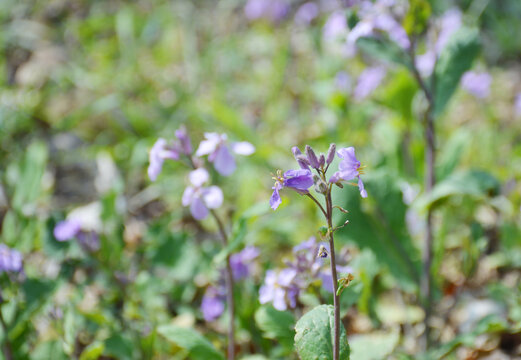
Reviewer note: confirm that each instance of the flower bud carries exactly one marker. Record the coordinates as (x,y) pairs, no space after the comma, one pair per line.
(313,161)
(302,161)
(296,151)
(331,154)
(321,186)
(184,139)
(321,160)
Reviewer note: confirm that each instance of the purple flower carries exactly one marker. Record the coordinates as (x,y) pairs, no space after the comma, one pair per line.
(349,169)
(159,152)
(89,241)
(368,81)
(478,84)
(449,23)
(218,151)
(274,10)
(425,62)
(298,180)
(342,81)
(279,289)
(517,104)
(67,229)
(306,13)
(10,259)
(335,26)
(241,263)
(184,140)
(200,198)
(212,304)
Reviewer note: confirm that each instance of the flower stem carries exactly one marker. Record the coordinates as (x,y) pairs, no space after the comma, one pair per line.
(430,181)
(229,289)
(336,298)
(8,354)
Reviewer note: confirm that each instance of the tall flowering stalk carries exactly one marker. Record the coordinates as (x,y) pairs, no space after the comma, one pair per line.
(203,200)
(301,181)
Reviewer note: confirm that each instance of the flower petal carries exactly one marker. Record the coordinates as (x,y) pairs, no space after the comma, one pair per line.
(208,145)
(188,196)
(66,230)
(243,148)
(361,187)
(213,197)
(198,209)
(224,161)
(275,200)
(198,177)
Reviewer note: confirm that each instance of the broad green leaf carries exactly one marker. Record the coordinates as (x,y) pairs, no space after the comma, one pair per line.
(381,228)
(29,185)
(93,351)
(383,49)
(189,339)
(451,153)
(277,325)
(315,334)
(48,350)
(119,346)
(472,182)
(374,346)
(455,59)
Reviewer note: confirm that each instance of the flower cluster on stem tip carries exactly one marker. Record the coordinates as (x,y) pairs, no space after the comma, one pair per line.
(302,179)
(201,199)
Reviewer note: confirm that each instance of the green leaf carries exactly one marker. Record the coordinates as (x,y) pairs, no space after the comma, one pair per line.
(29,185)
(48,350)
(93,351)
(198,347)
(315,333)
(277,325)
(417,18)
(451,153)
(455,59)
(383,49)
(474,183)
(374,346)
(119,346)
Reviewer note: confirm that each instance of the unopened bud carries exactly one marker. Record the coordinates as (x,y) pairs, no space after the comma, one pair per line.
(321,160)
(331,154)
(321,186)
(313,161)
(296,151)
(302,161)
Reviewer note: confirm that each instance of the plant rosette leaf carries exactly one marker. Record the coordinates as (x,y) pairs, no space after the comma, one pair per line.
(315,333)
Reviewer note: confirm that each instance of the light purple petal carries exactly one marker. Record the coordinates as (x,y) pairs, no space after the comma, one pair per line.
(198,209)
(275,199)
(188,196)
(243,148)
(478,84)
(209,145)
(336,177)
(182,135)
(198,177)
(286,276)
(279,299)
(425,63)
(156,159)
(67,229)
(368,81)
(335,26)
(450,23)
(306,13)
(213,197)
(361,187)
(212,305)
(224,161)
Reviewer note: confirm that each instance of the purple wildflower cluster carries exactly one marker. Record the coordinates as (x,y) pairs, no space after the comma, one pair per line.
(302,179)
(219,151)
(72,228)
(242,264)
(478,84)
(283,286)
(10,260)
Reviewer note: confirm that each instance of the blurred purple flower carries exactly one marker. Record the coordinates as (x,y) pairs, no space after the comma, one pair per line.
(184,140)
(349,169)
(306,13)
(10,259)
(273,10)
(478,84)
(67,229)
(159,152)
(368,81)
(242,262)
(425,62)
(335,26)
(298,180)
(279,289)
(342,81)
(218,151)
(449,23)
(89,241)
(200,198)
(517,104)
(212,305)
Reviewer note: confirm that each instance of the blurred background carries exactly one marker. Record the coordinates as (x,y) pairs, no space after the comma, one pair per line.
(87,87)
